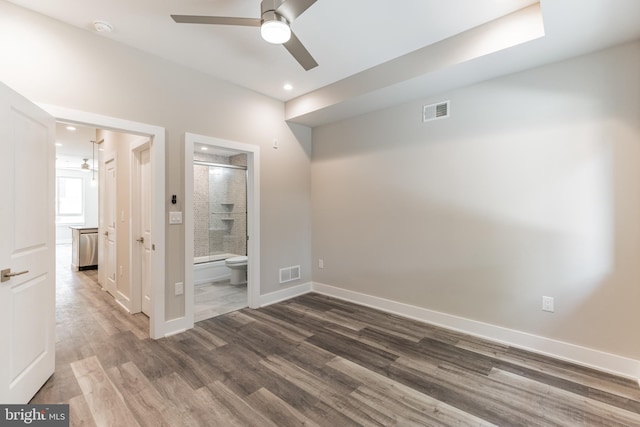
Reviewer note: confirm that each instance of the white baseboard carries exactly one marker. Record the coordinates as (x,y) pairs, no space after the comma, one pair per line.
(284,294)
(176,326)
(611,363)
(122,304)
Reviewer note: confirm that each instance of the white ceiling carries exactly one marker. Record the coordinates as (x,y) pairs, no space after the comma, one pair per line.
(347,38)
(74,145)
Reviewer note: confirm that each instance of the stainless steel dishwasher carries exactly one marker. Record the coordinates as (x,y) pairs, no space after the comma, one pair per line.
(84,246)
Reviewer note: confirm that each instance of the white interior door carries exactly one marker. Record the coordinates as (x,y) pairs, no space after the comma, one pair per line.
(27,251)
(143,207)
(108,203)
(141,226)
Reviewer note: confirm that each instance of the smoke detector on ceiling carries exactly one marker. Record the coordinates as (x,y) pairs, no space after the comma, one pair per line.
(102,26)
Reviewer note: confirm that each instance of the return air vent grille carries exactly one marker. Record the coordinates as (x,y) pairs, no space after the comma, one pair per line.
(436,111)
(289,274)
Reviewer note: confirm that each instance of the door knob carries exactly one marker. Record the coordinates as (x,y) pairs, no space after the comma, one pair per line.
(140,240)
(6,274)
(106,233)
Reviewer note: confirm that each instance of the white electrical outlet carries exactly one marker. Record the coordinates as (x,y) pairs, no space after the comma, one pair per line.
(320,263)
(179,288)
(547,304)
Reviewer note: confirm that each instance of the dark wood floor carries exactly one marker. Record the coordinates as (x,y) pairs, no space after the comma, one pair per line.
(312,361)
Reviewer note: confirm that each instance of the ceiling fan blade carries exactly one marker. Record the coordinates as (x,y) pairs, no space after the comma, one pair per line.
(300,53)
(216,20)
(291,9)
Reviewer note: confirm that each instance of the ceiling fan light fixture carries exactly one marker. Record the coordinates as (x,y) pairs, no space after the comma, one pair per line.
(275,29)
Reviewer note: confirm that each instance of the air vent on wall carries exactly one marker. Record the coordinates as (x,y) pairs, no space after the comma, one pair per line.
(436,111)
(290,273)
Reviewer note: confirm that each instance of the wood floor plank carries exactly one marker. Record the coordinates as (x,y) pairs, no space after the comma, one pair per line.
(149,407)
(583,408)
(188,407)
(277,410)
(404,404)
(245,382)
(104,400)
(328,316)
(61,387)
(323,388)
(293,332)
(390,324)
(237,407)
(465,359)
(201,335)
(468,392)
(585,376)
(80,413)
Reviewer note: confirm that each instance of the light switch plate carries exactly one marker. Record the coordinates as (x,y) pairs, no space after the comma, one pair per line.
(175,217)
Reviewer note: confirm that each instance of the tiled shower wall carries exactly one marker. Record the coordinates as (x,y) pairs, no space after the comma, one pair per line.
(220,206)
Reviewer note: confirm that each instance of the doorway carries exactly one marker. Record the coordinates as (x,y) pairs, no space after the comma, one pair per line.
(225,210)
(108,198)
(220,231)
(158,327)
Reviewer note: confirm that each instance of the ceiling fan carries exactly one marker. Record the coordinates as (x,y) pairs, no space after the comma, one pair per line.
(276,16)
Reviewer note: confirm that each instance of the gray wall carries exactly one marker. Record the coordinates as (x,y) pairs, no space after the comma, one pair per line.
(531,188)
(54,63)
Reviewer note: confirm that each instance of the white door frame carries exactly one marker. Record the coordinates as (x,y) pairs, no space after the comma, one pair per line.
(158,326)
(253,217)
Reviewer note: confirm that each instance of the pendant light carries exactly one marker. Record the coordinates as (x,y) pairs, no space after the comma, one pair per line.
(93,162)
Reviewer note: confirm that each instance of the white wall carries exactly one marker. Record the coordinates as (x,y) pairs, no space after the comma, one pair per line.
(531,188)
(53,63)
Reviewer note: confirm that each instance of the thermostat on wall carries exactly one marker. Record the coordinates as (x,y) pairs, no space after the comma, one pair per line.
(175,217)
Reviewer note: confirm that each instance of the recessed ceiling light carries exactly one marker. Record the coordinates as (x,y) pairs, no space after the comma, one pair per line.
(203,148)
(287,86)
(102,26)
(71,128)
(58,144)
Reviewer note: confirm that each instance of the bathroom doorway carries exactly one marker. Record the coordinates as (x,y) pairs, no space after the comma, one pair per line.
(220,231)
(221,226)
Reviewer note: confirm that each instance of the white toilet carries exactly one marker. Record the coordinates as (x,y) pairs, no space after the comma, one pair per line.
(238,266)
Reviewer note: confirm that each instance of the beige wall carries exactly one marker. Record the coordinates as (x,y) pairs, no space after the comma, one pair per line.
(54,63)
(531,188)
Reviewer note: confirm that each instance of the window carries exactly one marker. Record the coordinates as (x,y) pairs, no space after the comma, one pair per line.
(69,200)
